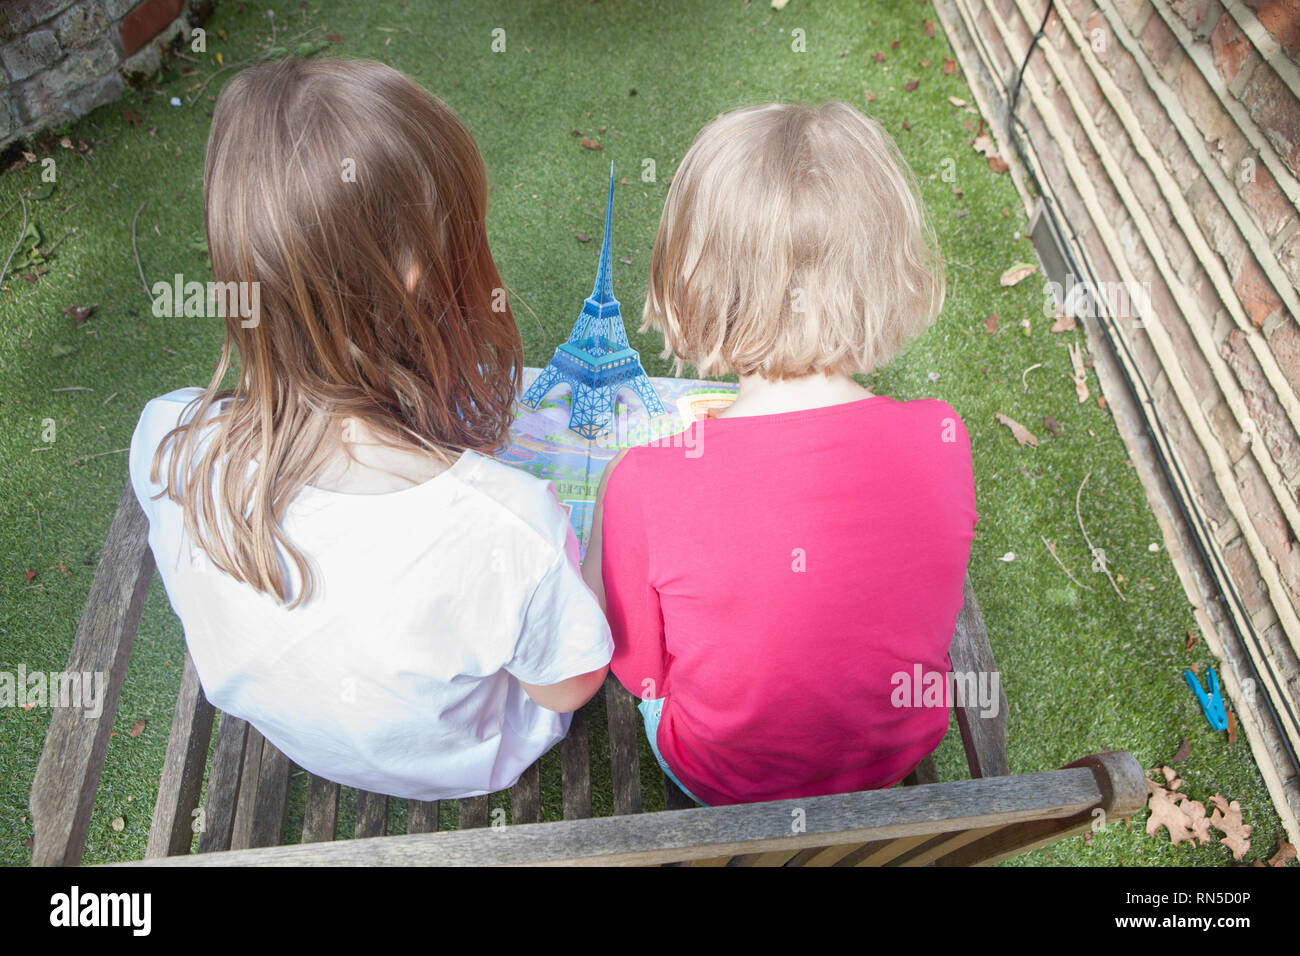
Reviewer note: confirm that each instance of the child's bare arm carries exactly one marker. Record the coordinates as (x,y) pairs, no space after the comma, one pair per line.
(567,695)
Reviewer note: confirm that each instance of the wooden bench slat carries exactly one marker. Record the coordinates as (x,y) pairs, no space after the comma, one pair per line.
(321,818)
(625,732)
(776,858)
(223,785)
(179,787)
(654,838)
(241,834)
(880,852)
(575,769)
(925,772)
(674,798)
(821,855)
(475,812)
(526,796)
(941,845)
(67,776)
(372,814)
(983,737)
(272,803)
(421,816)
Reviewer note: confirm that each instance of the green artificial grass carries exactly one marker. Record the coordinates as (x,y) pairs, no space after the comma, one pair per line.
(1083,671)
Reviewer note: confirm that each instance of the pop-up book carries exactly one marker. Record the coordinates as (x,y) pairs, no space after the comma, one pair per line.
(570,439)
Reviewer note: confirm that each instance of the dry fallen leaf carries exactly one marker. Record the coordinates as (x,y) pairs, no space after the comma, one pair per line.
(949,65)
(1063,323)
(1227,820)
(911,86)
(1191,640)
(878,57)
(868,95)
(118,824)
(137,728)
(591,144)
(998,164)
(1017,272)
(983,144)
(131,116)
(1052,425)
(1285,851)
(956,101)
(1021,433)
(1232,727)
(928,27)
(991,324)
(1184,751)
(1172,780)
(1166,813)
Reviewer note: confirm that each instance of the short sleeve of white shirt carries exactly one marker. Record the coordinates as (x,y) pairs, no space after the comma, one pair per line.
(560,608)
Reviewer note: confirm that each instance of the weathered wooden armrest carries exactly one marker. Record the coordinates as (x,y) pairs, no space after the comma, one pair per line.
(63,791)
(901,826)
(984,735)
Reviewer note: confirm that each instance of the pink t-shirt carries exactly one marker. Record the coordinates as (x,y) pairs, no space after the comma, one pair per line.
(773,575)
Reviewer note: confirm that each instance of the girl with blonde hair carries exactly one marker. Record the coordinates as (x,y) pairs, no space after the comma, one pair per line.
(768,591)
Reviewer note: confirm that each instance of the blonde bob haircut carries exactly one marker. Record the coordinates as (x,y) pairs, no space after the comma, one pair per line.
(793,242)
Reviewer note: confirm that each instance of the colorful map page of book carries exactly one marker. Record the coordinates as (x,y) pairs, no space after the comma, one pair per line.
(542,444)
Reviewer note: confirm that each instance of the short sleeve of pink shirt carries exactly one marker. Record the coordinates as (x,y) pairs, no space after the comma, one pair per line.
(781,580)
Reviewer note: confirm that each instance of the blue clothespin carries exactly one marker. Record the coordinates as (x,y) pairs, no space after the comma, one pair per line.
(1211,704)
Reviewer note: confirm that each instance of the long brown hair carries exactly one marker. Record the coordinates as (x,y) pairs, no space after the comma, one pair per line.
(335,184)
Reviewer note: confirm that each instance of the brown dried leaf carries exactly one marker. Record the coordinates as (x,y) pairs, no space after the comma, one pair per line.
(1285,851)
(991,324)
(878,57)
(928,27)
(868,95)
(949,65)
(137,728)
(1192,640)
(1227,820)
(1232,727)
(131,116)
(1017,272)
(1021,433)
(911,86)
(1183,752)
(591,144)
(998,164)
(1052,425)
(1172,780)
(1166,813)
(1063,323)
(1198,822)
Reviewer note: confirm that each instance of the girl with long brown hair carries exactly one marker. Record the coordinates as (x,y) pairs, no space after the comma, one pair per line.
(391,607)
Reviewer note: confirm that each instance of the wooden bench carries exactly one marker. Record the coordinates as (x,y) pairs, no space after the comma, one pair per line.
(988,818)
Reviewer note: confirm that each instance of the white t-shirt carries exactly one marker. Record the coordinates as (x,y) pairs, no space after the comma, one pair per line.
(401,673)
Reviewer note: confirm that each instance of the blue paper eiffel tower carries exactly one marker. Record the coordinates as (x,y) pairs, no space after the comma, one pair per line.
(597,362)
